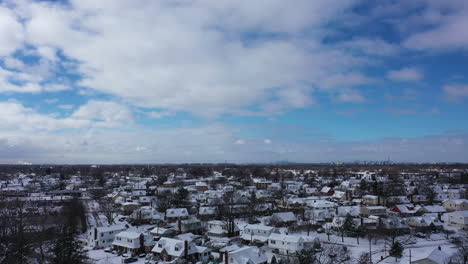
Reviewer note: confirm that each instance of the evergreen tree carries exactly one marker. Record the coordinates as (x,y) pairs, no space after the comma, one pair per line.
(396,250)
(181,198)
(68,249)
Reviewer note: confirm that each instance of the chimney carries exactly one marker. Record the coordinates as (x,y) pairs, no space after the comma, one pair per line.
(186,250)
(439,248)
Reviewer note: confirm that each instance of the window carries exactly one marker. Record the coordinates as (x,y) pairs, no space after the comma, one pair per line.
(272,241)
(176,249)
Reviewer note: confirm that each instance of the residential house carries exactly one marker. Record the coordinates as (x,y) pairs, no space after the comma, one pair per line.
(433,256)
(217,228)
(189,225)
(457,219)
(102,237)
(283,219)
(245,255)
(256,233)
(286,245)
(175,214)
(133,242)
(162,232)
(373,210)
(339,196)
(169,249)
(327,190)
(404,209)
(431,209)
(370,200)
(422,223)
(456,205)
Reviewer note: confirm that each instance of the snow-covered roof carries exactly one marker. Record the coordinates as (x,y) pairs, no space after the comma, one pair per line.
(103,229)
(248,255)
(435,255)
(285,216)
(176,212)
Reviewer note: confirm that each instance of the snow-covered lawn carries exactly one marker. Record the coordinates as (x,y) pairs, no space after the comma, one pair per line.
(101,257)
(419,247)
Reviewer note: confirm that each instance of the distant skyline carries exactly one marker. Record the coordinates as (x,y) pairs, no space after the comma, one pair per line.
(185,81)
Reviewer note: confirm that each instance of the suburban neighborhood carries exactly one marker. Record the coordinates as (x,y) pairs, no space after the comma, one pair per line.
(242,214)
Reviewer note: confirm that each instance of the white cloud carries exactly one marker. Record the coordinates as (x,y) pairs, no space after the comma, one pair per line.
(194,56)
(267,141)
(406,74)
(449,31)
(15,117)
(11,32)
(104,112)
(13,63)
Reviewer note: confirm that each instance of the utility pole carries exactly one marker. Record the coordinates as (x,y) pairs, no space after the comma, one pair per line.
(370,250)
(410,256)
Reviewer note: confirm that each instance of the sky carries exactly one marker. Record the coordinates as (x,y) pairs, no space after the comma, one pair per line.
(177,81)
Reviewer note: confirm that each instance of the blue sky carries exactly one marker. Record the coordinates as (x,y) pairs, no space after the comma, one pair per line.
(245,81)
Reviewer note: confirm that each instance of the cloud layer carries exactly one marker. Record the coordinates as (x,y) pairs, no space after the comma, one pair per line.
(105,81)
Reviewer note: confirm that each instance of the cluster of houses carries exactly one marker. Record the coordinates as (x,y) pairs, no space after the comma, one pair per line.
(261,221)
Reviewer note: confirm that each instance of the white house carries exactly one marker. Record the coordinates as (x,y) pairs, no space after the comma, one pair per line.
(102,237)
(217,228)
(245,255)
(284,218)
(175,214)
(456,205)
(434,256)
(133,242)
(288,244)
(456,219)
(169,249)
(370,200)
(257,232)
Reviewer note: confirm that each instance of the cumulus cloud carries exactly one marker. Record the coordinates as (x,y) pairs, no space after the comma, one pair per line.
(406,74)
(11,31)
(184,57)
(14,116)
(104,112)
(210,59)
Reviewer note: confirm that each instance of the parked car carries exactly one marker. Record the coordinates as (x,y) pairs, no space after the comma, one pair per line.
(130,260)
(108,250)
(142,255)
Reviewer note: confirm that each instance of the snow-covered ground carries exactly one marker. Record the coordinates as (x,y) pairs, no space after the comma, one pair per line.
(101,257)
(379,249)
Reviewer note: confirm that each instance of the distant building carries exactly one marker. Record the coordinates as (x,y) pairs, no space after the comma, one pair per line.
(373,210)
(456,219)
(456,205)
